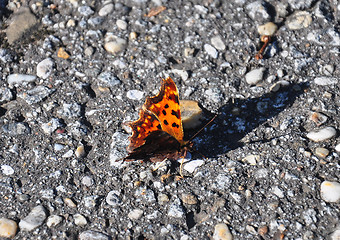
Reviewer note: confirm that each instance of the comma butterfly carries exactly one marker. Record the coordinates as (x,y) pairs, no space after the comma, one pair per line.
(158,133)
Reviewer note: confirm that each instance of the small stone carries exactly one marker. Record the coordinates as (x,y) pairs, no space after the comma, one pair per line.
(337,147)
(53,220)
(267,29)
(121,24)
(6,56)
(69,202)
(335,235)
(7,170)
(79,219)
(329,37)
(36,95)
(15,78)
(85,11)
(90,201)
(222,232)
(87,181)
(327,69)
(5,95)
(322,134)
(163,198)
(321,152)
(70,110)
(93,235)
(116,45)
(324,81)
(135,95)
(107,9)
(80,151)
(45,68)
(330,191)
(34,219)
(135,214)
(71,23)
(296,4)
(318,118)
(258,10)
(254,76)
(22,22)
(182,73)
(176,210)
(192,165)
(191,114)
(147,194)
(16,128)
(107,79)
(263,230)
(63,54)
(189,52)
(189,198)
(218,43)
(113,198)
(278,192)
(52,125)
(251,159)
(8,228)
(210,50)
(299,20)
(133,36)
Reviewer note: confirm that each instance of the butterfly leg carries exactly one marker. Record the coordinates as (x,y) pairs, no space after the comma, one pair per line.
(181,166)
(160,164)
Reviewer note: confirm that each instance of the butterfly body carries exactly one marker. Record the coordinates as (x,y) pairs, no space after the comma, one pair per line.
(158,133)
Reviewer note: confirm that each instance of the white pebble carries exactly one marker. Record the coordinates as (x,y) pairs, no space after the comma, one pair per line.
(254,76)
(267,29)
(7,170)
(8,228)
(79,219)
(34,219)
(135,94)
(251,159)
(182,73)
(322,135)
(108,8)
(335,235)
(222,232)
(323,81)
(278,192)
(121,24)
(20,78)
(321,152)
(298,20)
(113,198)
(115,44)
(337,148)
(211,51)
(80,151)
(44,68)
(53,220)
(330,191)
(135,214)
(192,165)
(218,43)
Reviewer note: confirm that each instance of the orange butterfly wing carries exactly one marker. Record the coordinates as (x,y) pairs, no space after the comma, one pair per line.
(159,113)
(166,108)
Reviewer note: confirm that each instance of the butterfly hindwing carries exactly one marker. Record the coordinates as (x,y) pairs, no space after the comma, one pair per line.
(166,108)
(141,128)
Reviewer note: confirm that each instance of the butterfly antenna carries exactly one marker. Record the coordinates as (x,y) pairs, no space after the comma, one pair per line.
(199,131)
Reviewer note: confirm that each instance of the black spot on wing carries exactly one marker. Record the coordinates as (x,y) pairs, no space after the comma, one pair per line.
(175,113)
(166,106)
(159,127)
(166,122)
(164,112)
(175,125)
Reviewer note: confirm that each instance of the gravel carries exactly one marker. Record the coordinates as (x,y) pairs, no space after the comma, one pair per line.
(267,166)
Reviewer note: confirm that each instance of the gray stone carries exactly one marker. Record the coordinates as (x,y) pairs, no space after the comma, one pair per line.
(34,219)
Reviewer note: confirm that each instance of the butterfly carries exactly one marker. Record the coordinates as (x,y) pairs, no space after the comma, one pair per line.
(158,133)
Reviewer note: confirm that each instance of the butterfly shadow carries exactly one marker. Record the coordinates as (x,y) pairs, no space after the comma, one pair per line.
(239,117)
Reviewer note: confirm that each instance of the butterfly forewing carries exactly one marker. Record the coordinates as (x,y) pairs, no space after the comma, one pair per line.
(165,107)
